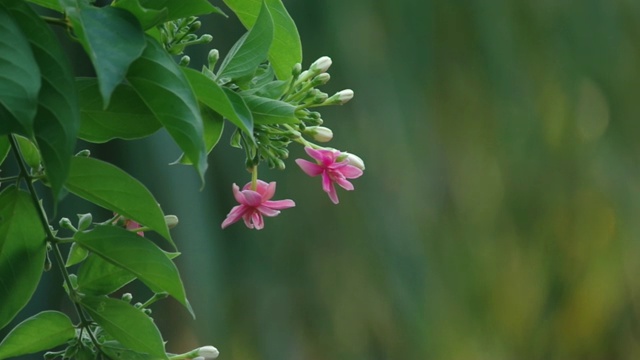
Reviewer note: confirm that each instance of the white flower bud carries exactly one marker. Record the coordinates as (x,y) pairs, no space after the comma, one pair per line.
(355,160)
(344,96)
(171,221)
(208,352)
(321,65)
(319,133)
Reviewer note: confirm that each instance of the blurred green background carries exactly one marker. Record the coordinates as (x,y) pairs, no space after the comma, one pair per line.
(497,217)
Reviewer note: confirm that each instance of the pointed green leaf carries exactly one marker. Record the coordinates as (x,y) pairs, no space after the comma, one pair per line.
(57,120)
(112,38)
(130,326)
(22,251)
(286,49)
(148,18)
(29,151)
(213,127)
(250,50)
(100,277)
(110,187)
(76,255)
(177,9)
(163,87)
(223,101)
(43,331)
(127,117)
(20,80)
(269,111)
(137,255)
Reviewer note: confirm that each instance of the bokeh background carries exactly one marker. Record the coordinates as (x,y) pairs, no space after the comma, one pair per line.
(497,217)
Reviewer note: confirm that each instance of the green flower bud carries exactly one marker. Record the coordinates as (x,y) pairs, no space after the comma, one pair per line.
(66,224)
(341,97)
(184,61)
(297,69)
(208,352)
(127,297)
(84,221)
(171,220)
(321,79)
(204,39)
(212,58)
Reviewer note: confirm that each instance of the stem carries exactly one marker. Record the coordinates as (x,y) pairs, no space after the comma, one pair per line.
(56,21)
(154,298)
(254,178)
(10,178)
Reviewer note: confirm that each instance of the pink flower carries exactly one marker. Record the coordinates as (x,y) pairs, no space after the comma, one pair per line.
(332,171)
(254,204)
(132,225)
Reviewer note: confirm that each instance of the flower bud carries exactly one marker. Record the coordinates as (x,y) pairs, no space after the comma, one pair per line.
(321,79)
(321,65)
(341,97)
(206,38)
(171,220)
(127,297)
(319,133)
(66,224)
(84,221)
(184,61)
(213,57)
(297,69)
(195,26)
(208,352)
(355,160)
(84,153)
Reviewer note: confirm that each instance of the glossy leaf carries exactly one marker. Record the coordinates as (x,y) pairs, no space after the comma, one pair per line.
(163,87)
(99,30)
(29,151)
(137,255)
(127,117)
(286,49)
(22,252)
(250,50)
(100,277)
(223,101)
(40,332)
(108,186)
(213,127)
(148,18)
(20,80)
(57,120)
(269,111)
(177,9)
(130,326)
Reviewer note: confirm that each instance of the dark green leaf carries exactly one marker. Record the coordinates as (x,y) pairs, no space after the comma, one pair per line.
(22,251)
(148,18)
(20,80)
(213,126)
(163,87)
(110,187)
(127,117)
(250,50)
(116,351)
(100,277)
(56,123)
(138,255)
(269,111)
(178,9)
(5,146)
(130,326)
(49,4)
(286,49)
(223,101)
(112,38)
(43,331)
(29,151)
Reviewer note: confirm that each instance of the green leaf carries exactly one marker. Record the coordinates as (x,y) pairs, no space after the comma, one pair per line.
(286,49)
(20,80)
(43,331)
(177,9)
(76,255)
(250,50)
(49,4)
(127,117)
(148,18)
(112,38)
(116,351)
(270,111)
(29,151)
(100,277)
(163,87)
(22,252)
(137,255)
(108,186)
(5,146)
(213,126)
(130,326)
(56,123)
(223,101)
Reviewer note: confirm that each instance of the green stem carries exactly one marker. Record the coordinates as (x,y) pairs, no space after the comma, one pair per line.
(254,178)
(10,178)
(154,298)
(56,21)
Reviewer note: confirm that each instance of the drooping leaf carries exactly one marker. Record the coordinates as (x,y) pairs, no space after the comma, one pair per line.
(49,4)
(110,187)
(100,277)
(112,38)
(213,127)
(148,18)
(57,120)
(223,101)
(43,331)
(127,117)
(163,87)
(22,251)
(250,50)
(130,326)
(20,80)
(286,49)
(177,9)
(137,255)
(270,111)
(29,151)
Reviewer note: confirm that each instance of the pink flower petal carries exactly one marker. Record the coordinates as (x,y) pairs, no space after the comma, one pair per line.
(333,195)
(234,215)
(257,220)
(345,184)
(351,172)
(247,220)
(316,154)
(268,191)
(309,168)
(280,204)
(267,211)
(255,204)
(327,183)
(238,195)
(253,199)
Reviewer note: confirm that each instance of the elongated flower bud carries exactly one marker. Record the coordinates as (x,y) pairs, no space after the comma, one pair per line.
(319,133)
(208,352)
(321,65)
(212,58)
(341,97)
(355,161)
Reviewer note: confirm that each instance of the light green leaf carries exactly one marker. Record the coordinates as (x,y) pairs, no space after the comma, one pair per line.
(29,151)
(111,37)
(127,117)
(223,101)
(43,331)
(130,326)
(213,127)
(177,9)
(163,87)
(108,186)
(57,120)
(22,252)
(250,50)
(148,17)
(76,255)
(270,111)
(286,49)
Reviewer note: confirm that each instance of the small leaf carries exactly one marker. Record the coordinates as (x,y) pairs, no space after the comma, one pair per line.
(138,255)
(213,126)
(127,117)
(130,326)
(148,18)
(76,255)
(43,331)
(20,80)
(177,9)
(22,252)
(110,187)
(250,50)
(163,87)
(286,49)
(98,30)
(29,151)
(269,111)
(223,101)
(100,277)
